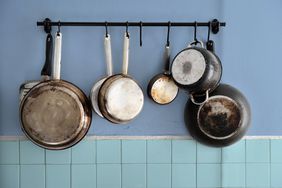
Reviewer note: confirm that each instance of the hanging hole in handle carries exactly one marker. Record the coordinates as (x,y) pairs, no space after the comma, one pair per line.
(106,27)
(200,103)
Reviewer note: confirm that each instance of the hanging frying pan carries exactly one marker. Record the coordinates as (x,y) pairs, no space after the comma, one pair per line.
(161,88)
(55,114)
(95,89)
(45,72)
(220,121)
(120,98)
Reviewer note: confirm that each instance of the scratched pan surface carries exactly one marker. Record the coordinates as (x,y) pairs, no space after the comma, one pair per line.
(221,120)
(55,114)
(161,88)
(120,97)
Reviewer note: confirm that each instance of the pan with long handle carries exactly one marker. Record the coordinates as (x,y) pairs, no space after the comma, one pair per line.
(120,98)
(95,89)
(161,88)
(46,70)
(55,114)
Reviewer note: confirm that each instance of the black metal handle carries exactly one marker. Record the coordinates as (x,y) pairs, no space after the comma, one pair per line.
(47,68)
(210,43)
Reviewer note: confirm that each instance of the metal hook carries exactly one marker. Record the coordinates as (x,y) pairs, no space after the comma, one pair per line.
(141,25)
(59,27)
(168,33)
(127,34)
(106,26)
(209,31)
(195,32)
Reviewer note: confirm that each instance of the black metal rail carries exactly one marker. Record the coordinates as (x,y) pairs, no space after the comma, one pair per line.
(214,24)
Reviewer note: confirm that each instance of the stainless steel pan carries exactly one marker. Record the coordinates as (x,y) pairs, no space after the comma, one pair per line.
(120,97)
(161,88)
(55,114)
(95,89)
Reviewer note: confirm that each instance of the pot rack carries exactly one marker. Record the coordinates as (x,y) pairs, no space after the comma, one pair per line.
(213,25)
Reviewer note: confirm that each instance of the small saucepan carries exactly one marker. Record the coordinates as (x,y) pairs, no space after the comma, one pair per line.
(120,98)
(95,89)
(55,114)
(221,120)
(161,88)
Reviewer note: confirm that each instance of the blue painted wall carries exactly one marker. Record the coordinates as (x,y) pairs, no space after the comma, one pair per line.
(249,48)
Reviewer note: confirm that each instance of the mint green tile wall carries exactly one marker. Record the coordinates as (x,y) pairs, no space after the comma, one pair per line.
(251,163)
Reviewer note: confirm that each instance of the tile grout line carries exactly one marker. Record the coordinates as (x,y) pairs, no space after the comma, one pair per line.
(45,169)
(221,168)
(20,168)
(71,167)
(121,166)
(270,163)
(245,163)
(96,155)
(171,163)
(146,163)
(196,165)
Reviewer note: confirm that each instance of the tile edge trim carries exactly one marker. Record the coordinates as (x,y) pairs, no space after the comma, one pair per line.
(168,137)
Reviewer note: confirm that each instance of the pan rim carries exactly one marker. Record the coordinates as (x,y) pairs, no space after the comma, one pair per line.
(223,137)
(102,101)
(153,81)
(85,120)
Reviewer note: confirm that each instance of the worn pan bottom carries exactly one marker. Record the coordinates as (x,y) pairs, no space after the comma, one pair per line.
(162,89)
(55,114)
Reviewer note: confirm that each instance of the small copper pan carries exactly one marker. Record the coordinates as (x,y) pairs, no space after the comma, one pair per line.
(55,114)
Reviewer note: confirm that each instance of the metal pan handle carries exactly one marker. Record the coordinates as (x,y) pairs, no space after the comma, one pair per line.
(167,60)
(47,68)
(125,53)
(57,56)
(200,103)
(108,54)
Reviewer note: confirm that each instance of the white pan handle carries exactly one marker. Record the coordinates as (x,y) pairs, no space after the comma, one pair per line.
(125,53)
(108,55)
(57,56)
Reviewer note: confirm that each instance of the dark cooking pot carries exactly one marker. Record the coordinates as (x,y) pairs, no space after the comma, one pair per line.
(220,121)
(196,69)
